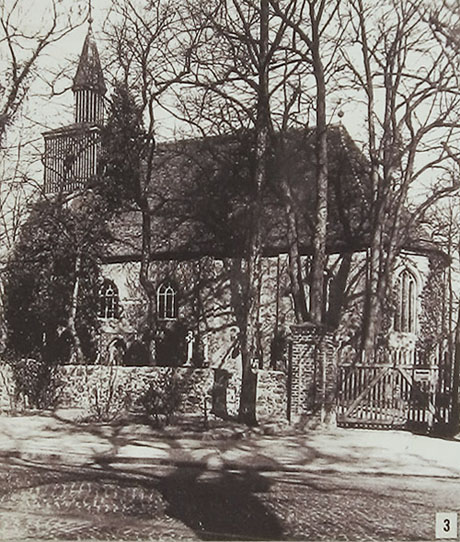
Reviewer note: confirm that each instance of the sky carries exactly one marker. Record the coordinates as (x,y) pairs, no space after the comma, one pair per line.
(46,110)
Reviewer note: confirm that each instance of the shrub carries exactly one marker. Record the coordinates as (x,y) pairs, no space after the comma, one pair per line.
(110,397)
(164,397)
(37,382)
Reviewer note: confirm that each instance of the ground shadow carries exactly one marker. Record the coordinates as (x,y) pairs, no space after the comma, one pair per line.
(221,506)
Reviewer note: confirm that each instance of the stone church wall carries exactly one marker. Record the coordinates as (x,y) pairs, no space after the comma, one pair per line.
(205,308)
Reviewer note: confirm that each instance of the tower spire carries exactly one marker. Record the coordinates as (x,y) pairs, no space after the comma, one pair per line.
(90,16)
(88,85)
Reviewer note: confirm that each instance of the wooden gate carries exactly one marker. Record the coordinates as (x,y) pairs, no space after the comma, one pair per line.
(394,396)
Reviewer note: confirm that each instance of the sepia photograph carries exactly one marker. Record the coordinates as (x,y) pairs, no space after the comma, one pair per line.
(229,270)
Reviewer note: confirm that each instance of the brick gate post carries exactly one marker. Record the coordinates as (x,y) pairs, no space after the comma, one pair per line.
(312,375)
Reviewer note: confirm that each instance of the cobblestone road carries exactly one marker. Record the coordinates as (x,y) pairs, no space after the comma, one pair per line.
(190,504)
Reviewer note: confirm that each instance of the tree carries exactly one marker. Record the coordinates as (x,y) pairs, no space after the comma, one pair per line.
(52,281)
(147,59)
(407,79)
(127,153)
(23,45)
(310,22)
(230,94)
(253,55)
(443,221)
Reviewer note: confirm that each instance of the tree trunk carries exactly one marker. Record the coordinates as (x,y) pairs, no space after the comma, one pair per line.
(376,293)
(371,309)
(144,279)
(455,381)
(338,291)
(321,209)
(248,336)
(76,354)
(296,275)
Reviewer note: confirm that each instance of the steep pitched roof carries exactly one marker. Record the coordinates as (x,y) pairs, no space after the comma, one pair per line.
(201,197)
(89,74)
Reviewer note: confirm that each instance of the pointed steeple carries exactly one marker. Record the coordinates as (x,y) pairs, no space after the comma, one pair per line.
(89,74)
(88,85)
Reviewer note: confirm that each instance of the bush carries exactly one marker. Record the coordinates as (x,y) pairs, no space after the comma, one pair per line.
(36,382)
(110,398)
(164,397)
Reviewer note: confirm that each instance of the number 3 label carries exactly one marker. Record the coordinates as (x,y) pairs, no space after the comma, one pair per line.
(446,525)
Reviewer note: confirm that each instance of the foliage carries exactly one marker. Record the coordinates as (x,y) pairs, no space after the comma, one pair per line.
(37,382)
(122,143)
(40,280)
(163,398)
(432,323)
(110,398)
(123,181)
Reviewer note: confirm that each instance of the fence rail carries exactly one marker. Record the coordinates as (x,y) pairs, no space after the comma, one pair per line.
(395,394)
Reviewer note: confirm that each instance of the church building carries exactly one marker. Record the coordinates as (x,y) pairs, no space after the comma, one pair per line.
(199,227)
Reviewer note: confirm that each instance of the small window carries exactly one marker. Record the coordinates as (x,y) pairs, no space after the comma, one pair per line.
(166,302)
(406,307)
(108,300)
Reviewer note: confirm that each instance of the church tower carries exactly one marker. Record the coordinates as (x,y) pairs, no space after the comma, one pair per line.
(71,152)
(88,85)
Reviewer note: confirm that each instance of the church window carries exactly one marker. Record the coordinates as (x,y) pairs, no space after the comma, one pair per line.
(166,302)
(108,300)
(406,307)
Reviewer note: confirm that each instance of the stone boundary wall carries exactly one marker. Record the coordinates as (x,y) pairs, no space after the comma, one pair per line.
(216,391)
(108,390)
(272,395)
(7,389)
(98,388)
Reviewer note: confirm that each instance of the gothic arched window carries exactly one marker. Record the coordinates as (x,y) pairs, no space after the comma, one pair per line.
(406,306)
(108,300)
(166,301)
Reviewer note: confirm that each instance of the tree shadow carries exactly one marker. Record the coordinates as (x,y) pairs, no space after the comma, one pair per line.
(221,506)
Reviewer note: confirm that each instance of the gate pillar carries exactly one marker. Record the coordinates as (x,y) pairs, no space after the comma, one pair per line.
(312,375)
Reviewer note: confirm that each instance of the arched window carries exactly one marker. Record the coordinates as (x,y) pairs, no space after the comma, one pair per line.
(166,301)
(406,307)
(108,300)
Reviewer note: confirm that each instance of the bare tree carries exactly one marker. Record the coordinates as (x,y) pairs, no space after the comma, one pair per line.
(406,77)
(238,87)
(146,58)
(23,44)
(310,22)
(237,91)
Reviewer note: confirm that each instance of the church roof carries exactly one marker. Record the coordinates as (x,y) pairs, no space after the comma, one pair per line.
(200,198)
(201,194)
(89,74)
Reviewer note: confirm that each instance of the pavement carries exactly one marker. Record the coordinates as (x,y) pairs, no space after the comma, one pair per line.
(58,439)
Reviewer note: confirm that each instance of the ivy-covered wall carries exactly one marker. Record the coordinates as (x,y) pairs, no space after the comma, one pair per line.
(433,313)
